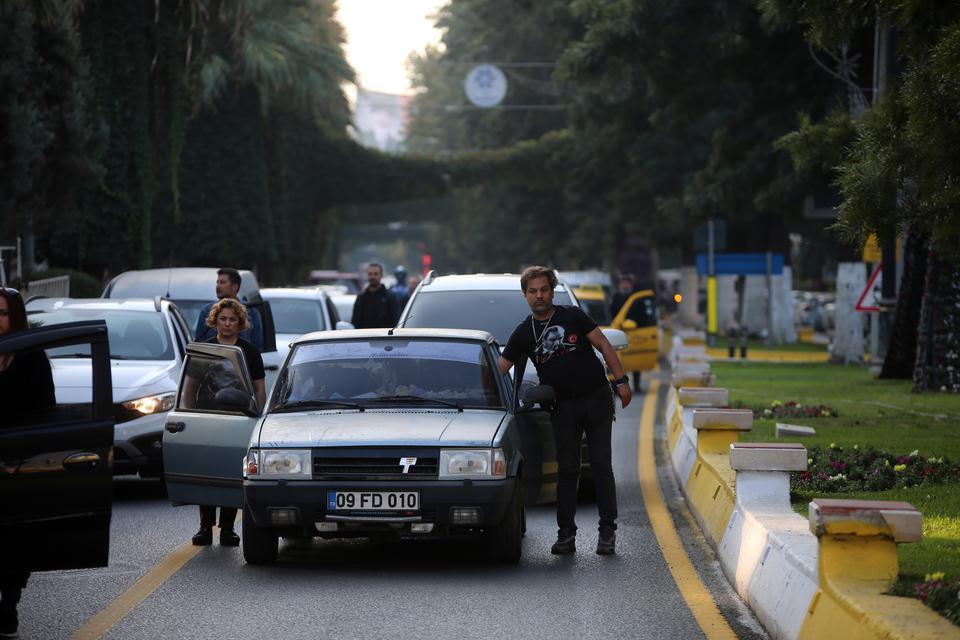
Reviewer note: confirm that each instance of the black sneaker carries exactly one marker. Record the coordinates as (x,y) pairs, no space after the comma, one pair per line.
(606,544)
(229,538)
(566,542)
(8,622)
(203,537)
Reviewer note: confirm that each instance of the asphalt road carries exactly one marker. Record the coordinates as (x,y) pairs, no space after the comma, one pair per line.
(365,589)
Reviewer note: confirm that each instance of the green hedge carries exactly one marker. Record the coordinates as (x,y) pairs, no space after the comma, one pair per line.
(82,284)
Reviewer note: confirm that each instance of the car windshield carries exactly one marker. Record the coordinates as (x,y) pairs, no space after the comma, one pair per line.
(497,312)
(386,371)
(133,335)
(191,311)
(598,310)
(297,315)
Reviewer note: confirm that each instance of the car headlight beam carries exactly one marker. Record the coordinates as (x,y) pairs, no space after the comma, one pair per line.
(472,463)
(151,404)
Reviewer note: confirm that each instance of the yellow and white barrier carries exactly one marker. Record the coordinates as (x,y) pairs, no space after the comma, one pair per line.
(819,579)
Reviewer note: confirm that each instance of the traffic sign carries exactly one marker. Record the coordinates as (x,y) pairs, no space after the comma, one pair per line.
(740,264)
(485,86)
(871,288)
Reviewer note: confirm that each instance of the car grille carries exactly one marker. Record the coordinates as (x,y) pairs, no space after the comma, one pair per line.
(373,467)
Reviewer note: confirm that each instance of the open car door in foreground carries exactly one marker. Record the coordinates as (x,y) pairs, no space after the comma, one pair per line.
(206,436)
(56,476)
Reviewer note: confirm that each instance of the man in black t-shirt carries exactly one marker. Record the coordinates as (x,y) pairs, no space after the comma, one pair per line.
(560,341)
(376,306)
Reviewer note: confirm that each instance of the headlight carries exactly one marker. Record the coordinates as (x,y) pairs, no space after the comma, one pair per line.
(151,404)
(472,463)
(279,463)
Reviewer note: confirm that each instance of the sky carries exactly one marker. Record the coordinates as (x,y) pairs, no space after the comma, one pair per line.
(381,34)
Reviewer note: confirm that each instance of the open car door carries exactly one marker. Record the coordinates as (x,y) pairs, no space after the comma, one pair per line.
(206,436)
(56,476)
(638,319)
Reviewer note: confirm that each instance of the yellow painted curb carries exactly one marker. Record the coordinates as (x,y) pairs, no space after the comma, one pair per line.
(694,592)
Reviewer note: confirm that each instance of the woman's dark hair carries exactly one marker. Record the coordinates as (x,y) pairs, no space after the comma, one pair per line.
(16,309)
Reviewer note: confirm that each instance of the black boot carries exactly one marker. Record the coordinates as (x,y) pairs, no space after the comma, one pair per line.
(203,537)
(607,543)
(228,537)
(8,621)
(566,542)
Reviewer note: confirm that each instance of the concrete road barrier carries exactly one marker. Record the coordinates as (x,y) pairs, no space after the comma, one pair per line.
(822,578)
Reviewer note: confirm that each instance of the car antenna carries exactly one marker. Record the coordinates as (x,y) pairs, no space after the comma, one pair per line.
(169,273)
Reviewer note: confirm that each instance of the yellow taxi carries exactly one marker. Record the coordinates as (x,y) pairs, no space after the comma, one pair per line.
(638,319)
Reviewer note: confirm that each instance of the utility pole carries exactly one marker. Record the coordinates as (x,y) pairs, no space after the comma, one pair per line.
(711,288)
(882,321)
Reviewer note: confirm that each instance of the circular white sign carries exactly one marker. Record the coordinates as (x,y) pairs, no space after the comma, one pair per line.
(485,85)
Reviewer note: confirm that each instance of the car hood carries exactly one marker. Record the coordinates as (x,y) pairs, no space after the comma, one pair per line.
(407,426)
(131,379)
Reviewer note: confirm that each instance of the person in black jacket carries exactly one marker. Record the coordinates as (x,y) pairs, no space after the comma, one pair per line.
(26,386)
(376,306)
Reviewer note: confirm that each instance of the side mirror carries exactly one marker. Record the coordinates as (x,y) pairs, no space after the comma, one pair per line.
(540,394)
(231,399)
(618,339)
(629,325)
(343,325)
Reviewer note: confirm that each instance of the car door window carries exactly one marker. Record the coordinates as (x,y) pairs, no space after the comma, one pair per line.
(204,378)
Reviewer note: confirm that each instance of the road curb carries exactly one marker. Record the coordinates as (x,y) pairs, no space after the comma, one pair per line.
(826,577)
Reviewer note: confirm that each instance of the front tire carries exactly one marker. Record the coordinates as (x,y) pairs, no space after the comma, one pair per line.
(507,538)
(260,545)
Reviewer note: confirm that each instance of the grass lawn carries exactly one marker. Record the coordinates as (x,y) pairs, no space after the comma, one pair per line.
(883,413)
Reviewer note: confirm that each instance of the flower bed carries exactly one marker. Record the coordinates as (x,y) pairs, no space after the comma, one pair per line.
(790,409)
(836,470)
(941,596)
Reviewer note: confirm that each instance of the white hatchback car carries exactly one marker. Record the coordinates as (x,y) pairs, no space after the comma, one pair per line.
(148,340)
(299,311)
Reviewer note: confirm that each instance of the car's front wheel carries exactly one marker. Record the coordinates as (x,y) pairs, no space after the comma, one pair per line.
(506,539)
(259,544)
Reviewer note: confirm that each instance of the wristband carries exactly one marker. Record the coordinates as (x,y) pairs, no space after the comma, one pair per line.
(619,381)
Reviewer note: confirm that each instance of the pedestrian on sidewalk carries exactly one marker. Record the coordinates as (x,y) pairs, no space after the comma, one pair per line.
(561,340)
(375,307)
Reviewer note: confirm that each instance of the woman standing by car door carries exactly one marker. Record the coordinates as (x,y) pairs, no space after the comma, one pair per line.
(229,317)
(26,386)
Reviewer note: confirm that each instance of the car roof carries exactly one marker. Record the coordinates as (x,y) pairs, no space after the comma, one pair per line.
(177,283)
(454,334)
(291,292)
(104,304)
(590,292)
(478,282)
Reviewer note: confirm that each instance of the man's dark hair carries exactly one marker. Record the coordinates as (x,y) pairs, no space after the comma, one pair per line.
(377,265)
(532,273)
(231,273)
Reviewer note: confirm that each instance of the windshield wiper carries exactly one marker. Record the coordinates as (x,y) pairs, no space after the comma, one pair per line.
(71,355)
(416,399)
(307,404)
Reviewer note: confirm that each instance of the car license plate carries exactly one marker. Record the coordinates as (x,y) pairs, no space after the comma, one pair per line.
(373,500)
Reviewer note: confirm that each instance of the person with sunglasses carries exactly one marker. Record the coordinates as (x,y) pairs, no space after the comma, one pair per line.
(26,386)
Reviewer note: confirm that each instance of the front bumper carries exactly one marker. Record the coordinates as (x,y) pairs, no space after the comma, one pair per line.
(438,498)
(137,444)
